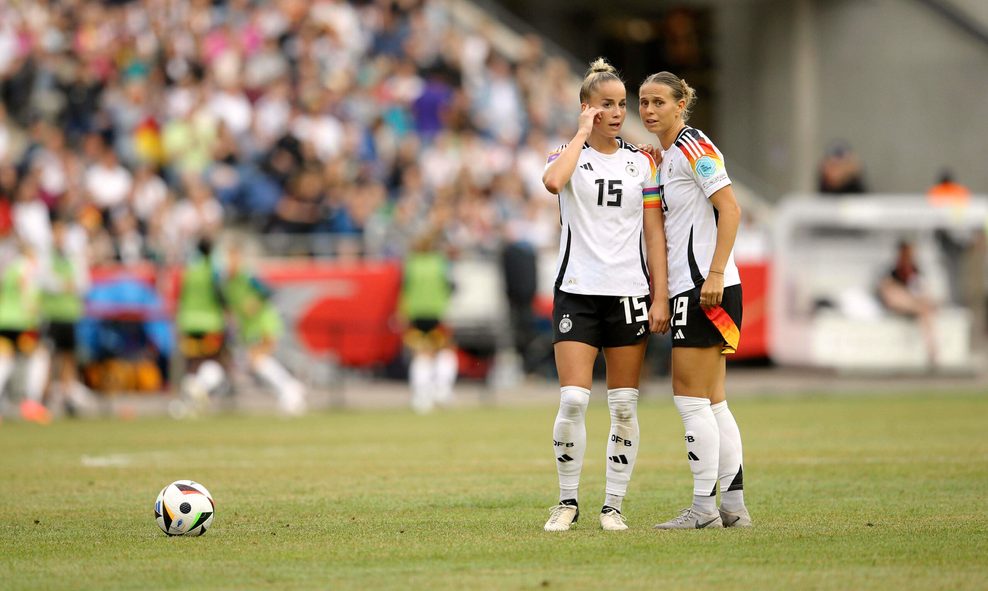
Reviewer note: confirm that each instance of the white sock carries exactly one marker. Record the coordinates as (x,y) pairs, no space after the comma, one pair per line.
(6,368)
(210,375)
(420,372)
(569,439)
(730,473)
(622,443)
(275,374)
(36,374)
(445,367)
(702,449)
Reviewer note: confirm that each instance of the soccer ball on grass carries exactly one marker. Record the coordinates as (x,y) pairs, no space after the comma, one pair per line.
(184,508)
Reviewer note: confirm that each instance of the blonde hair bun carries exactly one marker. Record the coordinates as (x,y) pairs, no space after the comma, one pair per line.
(600,71)
(600,65)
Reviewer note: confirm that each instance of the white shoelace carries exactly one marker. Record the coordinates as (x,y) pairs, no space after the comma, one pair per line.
(684,516)
(555,513)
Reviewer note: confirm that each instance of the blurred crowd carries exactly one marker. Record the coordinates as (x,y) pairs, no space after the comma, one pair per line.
(325,127)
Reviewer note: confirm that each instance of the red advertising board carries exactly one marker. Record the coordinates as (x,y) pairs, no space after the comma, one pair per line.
(343,310)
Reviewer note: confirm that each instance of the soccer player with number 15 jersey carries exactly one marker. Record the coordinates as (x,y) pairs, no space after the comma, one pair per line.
(609,210)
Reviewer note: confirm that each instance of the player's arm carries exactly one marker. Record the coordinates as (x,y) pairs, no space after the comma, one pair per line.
(728,220)
(561,166)
(659,314)
(262,289)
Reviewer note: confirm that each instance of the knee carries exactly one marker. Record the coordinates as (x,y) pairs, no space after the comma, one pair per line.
(623,403)
(573,402)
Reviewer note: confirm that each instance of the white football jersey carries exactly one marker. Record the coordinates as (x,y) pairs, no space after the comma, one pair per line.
(692,170)
(601,246)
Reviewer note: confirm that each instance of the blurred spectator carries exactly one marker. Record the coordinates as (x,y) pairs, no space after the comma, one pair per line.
(518,264)
(8,135)
(64,289)
(30,217)
(149,196)
(955,245)
(8,190)
(201,327)
(425,292)
(302,207)
(840,171)
(198,216)
(902,292)
(947,191)
(20,322)
(108,182)
(259,327)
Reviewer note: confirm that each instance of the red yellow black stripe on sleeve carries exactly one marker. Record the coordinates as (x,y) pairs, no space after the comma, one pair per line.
(696,148)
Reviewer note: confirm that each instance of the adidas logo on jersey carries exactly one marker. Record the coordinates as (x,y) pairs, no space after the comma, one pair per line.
(641,331)
(679,334)
(587,166)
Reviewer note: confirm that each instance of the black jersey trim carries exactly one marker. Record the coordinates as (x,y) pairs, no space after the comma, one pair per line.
(627,146)
(562,266)
(641,255)
(695,273)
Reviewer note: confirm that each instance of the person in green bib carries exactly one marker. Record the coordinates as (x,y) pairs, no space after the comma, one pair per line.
(20,319)
(62,306)
(201,326)
(425,293)
(259,326)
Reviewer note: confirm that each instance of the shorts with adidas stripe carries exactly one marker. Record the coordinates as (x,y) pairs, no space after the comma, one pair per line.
(600,320)
(694,326)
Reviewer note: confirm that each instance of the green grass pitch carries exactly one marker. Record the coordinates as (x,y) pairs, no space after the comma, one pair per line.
(878,492)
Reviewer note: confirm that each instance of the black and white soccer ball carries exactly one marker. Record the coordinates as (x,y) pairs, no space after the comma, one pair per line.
(184,508)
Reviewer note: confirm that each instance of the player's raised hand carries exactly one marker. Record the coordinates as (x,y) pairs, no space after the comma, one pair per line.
(652,151)
(588,116)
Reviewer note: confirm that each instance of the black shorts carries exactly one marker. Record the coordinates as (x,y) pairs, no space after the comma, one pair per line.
(198,345)
(426,334)
(600,321)
(62,335)
(425,325)
(693,326)
(20,341)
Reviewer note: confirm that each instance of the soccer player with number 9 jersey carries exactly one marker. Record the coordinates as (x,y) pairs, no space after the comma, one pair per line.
(609,210)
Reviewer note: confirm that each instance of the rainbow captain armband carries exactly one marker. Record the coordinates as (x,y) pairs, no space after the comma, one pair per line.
(651,197)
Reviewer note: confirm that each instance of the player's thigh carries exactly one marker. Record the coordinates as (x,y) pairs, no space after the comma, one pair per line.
(698,371)
(899,299)
(574,363)
(624,365)
(719,393)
